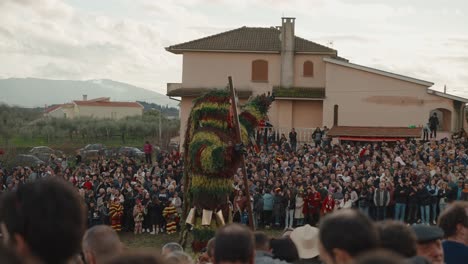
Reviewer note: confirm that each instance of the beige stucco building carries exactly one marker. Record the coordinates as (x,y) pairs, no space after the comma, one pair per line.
(95,108)
(313,86)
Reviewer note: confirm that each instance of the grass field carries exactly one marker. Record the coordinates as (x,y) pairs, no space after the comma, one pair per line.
(150,242)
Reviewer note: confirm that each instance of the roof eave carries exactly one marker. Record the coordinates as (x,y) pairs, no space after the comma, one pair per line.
(181,51)
(448,96)
(300,98)
(380,72)
(316,52)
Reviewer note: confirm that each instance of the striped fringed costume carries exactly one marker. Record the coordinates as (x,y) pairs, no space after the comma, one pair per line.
(170,214)
(115,214)
(212,157)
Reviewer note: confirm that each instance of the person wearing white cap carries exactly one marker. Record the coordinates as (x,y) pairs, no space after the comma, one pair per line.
(306,239)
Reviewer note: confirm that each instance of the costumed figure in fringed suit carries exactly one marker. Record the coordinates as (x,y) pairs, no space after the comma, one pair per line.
(170,214)
(212,158)
(115,214)
(138,217)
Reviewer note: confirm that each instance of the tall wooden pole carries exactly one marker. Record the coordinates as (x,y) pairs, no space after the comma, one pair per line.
(238,138)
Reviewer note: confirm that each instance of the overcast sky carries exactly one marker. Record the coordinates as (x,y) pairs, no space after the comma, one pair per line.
(124,40)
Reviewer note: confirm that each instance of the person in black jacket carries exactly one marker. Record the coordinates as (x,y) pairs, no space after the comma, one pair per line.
(290,204)
(424,199)
(413,203)
(401,198)
(433,124)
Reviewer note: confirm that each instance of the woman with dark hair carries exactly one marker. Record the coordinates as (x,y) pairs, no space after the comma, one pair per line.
(284,249)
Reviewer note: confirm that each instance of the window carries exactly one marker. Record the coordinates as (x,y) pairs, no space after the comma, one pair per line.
(308,70)
(260,70)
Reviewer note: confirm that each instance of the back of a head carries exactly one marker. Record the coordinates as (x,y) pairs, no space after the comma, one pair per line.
(49,216)
(234,244)
(454,214)
(103,242)
(137,257)
(284,249)
(397,237)
(348,230)
(179,257)
(7,256)
(210,247)
(380,257)
(262,241)
(171,247)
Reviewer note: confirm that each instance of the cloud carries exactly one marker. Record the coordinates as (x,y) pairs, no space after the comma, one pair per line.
(124,40)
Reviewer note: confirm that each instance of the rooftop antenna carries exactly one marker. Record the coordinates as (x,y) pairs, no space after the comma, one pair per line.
(445,88)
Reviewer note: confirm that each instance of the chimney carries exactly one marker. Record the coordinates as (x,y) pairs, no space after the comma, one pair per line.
(85,97)
(287,52)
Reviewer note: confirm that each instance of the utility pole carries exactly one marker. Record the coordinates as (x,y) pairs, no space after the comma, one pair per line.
(160,116)
(238,138)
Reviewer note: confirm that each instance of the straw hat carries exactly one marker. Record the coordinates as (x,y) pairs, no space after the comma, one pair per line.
(306,239)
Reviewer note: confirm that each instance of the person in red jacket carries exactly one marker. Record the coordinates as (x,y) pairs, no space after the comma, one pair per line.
(312,206)
(88,185)
(148,149)
(317,200)
(328,204)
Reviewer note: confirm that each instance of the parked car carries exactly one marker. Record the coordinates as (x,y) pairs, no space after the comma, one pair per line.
(27,160)
(131,152)
(92,151)
(44,153)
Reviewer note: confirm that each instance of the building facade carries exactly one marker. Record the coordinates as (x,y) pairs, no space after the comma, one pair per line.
(313,86)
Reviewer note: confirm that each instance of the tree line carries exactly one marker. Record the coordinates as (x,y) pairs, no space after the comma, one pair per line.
(28,124)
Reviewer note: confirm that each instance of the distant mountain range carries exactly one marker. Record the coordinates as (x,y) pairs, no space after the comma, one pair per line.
(33,92)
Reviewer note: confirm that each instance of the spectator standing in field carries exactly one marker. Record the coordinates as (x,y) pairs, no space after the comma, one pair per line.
(263,253)
(293,139)
(317,137)
(138,217)
(148,149)
(115,213)
(454,222)
(433,124)
(100,243)
(426,130)
(429,243)
(381,201)
(299,208)
(234,245)
(43,221)
(306,239)
(401,198)
(344,235)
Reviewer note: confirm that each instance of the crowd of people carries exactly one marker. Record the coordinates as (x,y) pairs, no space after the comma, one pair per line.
(45,222)
(290,184)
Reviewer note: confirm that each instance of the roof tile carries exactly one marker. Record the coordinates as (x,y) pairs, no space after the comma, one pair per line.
(108,104)
(248,39)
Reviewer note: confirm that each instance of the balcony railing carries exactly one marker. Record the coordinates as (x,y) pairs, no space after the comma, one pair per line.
(173,86)
(303,134)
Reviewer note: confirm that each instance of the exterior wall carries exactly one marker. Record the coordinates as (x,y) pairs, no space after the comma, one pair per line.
(318,80)
(58,113)
(185,108)
(307,114)
(367,99)
(211,70)
(106,112)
